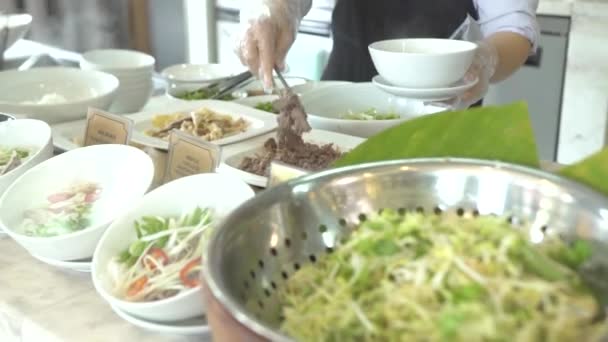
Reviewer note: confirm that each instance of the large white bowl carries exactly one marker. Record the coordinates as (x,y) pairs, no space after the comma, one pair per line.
(132,98)
(422,63)
(199,73)
(220,192)
(18,25)
(326,106)
(32,134)
(81,89)
(117,61)
(124,174)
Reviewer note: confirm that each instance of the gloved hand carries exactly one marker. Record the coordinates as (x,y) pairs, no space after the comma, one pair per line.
(268,30)
(483,67)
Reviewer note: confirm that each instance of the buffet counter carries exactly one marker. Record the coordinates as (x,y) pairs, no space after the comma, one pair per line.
(40,303)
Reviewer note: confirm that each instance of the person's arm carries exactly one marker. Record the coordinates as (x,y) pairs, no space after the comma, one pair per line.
(511,34)
(269,30)
(513,49)
(510,26)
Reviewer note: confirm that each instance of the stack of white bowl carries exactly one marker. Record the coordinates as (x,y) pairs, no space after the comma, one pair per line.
(133,69)
(423,68)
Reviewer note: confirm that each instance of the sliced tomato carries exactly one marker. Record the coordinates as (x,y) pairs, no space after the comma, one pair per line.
(137,286)
(188,275)
(60,197)
(159,256)
(91,197)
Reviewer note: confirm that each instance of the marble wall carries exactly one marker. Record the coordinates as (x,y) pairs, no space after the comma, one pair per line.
(584,126)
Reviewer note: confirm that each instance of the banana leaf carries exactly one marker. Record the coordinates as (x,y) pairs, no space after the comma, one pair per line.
(501,133)
(592,171)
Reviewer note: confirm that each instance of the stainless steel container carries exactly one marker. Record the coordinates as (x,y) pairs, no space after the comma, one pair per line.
(265,240)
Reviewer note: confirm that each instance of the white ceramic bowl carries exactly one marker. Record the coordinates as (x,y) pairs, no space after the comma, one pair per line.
(18,25)
(35,135)
(81,89)
(220,192)
(422,63)
(199,73)
(311,86)
(326,106)
(116,61)
(253,101)
(132,98)
(256,88)
(124,174)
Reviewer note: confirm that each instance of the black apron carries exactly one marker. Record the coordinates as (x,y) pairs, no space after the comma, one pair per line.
(358,23)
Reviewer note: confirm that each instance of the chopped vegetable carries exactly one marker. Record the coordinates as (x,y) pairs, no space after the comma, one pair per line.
(370,114)
(267,107)
(417,277)
(166,253)
(189,274)
(137,286)
(204,94)
(66,212)
(11,158)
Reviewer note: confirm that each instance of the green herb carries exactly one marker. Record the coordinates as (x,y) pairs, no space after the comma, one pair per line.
(204,94)
(267,107)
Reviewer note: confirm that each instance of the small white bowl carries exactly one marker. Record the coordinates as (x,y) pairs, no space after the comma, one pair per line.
(117,61)
(28,133)
(81,89)
(124,174)
(422,63)
(222,193)
(326,106)
(18,25)
(199,73)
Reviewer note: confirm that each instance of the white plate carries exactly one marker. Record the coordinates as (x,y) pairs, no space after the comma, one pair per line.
(231,162)
(78,266)
(260,122)
(193,326)
(68,136)
(426,94)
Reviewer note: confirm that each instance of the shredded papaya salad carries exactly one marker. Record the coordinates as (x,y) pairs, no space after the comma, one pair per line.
(417,277)
(164,260)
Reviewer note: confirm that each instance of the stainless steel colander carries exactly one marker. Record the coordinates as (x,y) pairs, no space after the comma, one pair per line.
(271,236)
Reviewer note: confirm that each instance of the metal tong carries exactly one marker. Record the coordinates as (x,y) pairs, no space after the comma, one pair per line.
(282,79)
(226,86)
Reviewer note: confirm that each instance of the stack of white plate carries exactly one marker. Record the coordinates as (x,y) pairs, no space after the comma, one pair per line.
(133,69)
(423,69)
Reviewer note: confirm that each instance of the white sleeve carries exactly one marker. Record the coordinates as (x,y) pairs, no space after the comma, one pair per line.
(295,10)
(518,16)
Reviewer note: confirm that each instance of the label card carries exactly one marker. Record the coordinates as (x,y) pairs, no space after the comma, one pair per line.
(280,172)
(106,128)
(189,155)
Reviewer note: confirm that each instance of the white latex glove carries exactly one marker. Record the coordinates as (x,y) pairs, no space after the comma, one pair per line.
(483,67)
(269,29)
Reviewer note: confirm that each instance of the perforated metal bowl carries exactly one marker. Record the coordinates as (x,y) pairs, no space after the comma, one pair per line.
(271,236)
